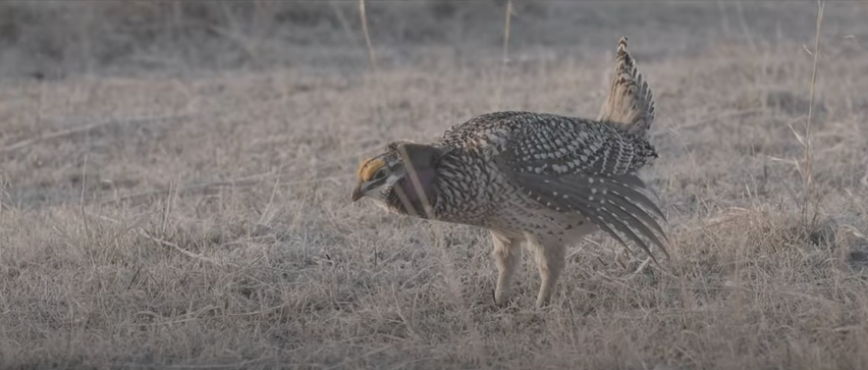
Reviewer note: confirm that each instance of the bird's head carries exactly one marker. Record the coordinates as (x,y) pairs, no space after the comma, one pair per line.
(386,178)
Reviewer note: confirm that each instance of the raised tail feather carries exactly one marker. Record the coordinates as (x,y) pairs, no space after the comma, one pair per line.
(630,103)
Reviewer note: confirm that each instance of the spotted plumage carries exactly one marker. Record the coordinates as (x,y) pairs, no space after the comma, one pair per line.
(542,179)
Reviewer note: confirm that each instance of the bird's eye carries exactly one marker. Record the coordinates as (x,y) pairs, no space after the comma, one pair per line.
(380,174)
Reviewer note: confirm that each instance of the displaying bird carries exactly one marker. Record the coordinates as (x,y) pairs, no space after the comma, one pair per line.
(544,180)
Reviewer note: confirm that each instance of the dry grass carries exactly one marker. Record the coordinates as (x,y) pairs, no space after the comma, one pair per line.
(169,217)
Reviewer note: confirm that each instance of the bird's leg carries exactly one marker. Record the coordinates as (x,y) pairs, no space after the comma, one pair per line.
(549,254)
(507,254)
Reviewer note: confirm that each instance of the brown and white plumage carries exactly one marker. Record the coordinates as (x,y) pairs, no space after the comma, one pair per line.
(542,179)
(630,103)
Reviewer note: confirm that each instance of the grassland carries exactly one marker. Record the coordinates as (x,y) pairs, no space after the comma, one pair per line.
(176,182)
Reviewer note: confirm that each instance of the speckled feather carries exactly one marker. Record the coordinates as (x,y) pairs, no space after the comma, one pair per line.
(550,162)
(545,179)
(630,103)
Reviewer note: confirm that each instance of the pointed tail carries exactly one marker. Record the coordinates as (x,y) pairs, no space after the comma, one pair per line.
(630,104)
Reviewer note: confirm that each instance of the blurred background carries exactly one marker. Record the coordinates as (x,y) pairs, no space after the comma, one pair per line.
(54,39)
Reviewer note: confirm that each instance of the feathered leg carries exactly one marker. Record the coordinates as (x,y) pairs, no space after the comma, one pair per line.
(549,254)
(507,255)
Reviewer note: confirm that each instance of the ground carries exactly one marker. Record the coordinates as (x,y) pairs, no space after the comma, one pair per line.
(177,177)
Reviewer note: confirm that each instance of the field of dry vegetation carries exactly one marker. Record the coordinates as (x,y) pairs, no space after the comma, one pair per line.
(176,183)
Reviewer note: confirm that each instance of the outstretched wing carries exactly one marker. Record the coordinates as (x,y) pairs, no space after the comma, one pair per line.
(574,165)
(630,103)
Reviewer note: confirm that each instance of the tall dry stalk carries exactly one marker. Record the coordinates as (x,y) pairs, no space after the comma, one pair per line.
(2,195)
(372,57)
(811,196)
(505,59)
(439,239)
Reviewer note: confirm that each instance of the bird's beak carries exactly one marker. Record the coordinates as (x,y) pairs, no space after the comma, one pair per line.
(357,193)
